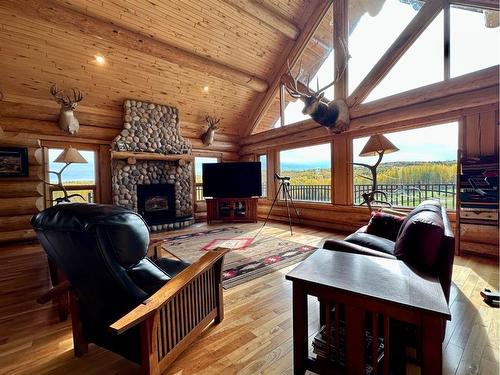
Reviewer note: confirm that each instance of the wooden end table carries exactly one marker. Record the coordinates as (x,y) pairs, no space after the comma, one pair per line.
(358,285)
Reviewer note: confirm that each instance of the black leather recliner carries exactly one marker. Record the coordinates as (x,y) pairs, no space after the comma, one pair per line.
(101,249)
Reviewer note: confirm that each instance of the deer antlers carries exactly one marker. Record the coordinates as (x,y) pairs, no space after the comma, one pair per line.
(293,87)
(212,121)
(66,100)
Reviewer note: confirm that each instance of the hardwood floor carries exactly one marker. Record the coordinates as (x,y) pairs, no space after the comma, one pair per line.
(254,338)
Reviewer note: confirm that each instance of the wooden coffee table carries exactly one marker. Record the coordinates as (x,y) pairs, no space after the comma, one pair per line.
(356,284)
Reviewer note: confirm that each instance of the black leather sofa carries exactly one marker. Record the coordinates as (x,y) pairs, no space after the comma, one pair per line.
(425,240)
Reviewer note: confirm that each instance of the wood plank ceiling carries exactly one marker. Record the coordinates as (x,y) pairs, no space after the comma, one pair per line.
(56,41)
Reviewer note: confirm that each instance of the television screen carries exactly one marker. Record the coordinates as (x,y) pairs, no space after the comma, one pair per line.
(232,180)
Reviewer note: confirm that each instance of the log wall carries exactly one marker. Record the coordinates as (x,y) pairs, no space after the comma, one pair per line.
(21,197)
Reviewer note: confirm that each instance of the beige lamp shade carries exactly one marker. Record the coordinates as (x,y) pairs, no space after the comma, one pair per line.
(376,145)
(70,155)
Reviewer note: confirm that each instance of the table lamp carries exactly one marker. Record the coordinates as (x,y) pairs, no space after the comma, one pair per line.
(376,145)
(68,156)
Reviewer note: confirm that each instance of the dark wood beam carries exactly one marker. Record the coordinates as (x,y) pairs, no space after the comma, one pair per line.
(404,41)
(64,17)
(484,4)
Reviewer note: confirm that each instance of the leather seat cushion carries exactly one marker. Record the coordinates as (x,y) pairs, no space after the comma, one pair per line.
(148,276)
(171,266)
(372,242)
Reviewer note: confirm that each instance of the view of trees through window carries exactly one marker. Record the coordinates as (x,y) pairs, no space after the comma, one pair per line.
(424,167)
(310,172)
(77,178)
(263,173)
(198,171)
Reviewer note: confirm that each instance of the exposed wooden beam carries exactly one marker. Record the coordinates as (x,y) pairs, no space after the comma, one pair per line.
(471,90)
(92,27)
(485,4)
(340,37)
(404,41)
(264,13)
(292,54)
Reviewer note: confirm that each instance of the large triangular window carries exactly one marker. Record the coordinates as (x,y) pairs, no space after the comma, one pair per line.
(421,65)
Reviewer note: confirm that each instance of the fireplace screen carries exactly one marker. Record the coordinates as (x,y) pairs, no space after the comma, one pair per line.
(156,203)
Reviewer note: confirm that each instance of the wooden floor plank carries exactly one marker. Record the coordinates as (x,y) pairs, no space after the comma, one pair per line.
(254,338)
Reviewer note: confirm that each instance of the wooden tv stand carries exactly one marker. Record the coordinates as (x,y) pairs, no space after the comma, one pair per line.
(232,209)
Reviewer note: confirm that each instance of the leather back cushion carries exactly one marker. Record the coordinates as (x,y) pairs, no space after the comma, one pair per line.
(384,225)
(420,236)
(372,242)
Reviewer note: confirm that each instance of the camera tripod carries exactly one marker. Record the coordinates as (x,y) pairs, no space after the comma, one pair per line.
(285,187)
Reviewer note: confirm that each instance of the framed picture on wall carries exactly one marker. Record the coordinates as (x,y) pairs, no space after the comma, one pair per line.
(13,162)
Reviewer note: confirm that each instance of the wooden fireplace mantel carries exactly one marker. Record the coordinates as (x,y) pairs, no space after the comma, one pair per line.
(132,157)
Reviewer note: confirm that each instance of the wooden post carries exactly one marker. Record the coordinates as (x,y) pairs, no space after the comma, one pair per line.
(340,36)
(432,351)
(299,329)
(149,345)
(80,345)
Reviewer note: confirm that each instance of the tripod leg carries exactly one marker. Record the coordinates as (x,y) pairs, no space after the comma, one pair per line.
(274,202)
(293,205)
(287,195)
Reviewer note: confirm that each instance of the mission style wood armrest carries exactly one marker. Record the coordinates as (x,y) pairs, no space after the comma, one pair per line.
(176,314)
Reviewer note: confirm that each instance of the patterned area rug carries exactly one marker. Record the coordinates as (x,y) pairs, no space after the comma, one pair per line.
(249,257)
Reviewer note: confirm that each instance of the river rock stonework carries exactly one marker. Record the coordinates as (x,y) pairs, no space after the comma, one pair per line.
(150,127)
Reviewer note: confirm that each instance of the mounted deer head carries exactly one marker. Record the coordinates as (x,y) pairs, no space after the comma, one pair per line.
(331,114)
(209,135)
(67,120)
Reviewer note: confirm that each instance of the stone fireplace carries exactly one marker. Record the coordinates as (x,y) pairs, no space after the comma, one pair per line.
(152,166)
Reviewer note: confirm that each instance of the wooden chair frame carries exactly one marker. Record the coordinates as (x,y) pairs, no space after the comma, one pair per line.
(170,319)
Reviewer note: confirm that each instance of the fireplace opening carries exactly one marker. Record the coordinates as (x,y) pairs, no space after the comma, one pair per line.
(156,203)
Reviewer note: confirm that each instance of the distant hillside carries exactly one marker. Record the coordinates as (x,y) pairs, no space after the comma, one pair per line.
(387,173)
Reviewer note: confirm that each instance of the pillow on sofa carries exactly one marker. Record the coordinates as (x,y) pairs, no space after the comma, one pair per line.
(419,239)
(384,225)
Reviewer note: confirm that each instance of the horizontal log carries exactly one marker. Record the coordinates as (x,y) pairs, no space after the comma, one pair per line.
(449,107)
(19,125)
(13,223)
(102,30)
(12,139)
(216,146)
(20,206)
(485,4)
(263,13)
(17,236)
(120,155)
(9,108)
(14,189)
(443,105)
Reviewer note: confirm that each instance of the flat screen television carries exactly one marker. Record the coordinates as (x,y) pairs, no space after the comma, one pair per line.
(232,180)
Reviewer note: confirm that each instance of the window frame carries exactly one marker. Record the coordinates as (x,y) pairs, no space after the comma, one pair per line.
(201,155)
(441,120)
(298,146)
(48,189)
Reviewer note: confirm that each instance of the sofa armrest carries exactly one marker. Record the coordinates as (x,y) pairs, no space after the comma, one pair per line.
(347,247)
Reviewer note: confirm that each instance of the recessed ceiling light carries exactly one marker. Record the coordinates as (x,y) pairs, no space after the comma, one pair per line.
(100,59)
(205,88)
